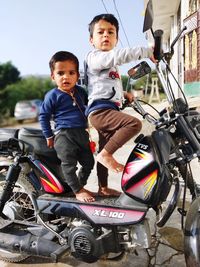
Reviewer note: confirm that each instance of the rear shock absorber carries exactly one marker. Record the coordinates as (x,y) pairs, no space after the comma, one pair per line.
(11,178)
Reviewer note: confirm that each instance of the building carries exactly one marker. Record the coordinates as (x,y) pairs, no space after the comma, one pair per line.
(171,16)
(81,80)
(191,18)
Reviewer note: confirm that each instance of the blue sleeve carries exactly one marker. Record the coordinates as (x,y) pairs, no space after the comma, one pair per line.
(46,112)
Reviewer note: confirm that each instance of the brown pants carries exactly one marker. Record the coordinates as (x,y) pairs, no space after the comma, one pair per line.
(115,128)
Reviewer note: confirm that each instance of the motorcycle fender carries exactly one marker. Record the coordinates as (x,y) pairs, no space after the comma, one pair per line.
(192,235)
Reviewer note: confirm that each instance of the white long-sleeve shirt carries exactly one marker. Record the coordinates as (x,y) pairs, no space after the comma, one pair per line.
(102,70)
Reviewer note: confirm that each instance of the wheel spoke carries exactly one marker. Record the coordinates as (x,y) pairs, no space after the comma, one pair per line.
(19,207)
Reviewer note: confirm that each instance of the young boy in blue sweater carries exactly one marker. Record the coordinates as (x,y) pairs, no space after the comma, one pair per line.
(66,104)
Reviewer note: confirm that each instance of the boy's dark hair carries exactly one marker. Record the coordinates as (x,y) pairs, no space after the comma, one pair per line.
(107,17)
(63,56)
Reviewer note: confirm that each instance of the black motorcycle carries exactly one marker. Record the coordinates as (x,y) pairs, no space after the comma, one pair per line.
(38,215)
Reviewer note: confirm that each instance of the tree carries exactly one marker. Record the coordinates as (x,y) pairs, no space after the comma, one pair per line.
(9,74)
(125,83)
(26,89)
(142,82)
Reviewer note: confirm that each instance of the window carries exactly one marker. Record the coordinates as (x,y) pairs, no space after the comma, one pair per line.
(193,6)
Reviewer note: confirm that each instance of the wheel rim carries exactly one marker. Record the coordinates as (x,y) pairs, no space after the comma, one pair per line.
(19,207)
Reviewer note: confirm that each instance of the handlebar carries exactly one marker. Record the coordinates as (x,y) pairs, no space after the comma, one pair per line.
(158,44)
(165,118)
(139,109)
(158,54)
(177,37)
(11,143)
(14,146)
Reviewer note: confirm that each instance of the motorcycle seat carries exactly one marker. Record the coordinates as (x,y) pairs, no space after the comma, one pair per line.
(36,139)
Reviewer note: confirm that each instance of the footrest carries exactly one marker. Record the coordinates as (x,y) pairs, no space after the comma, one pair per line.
(59,252)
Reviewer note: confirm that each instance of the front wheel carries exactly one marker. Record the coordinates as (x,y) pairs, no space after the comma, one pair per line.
(192,235)
(19,207)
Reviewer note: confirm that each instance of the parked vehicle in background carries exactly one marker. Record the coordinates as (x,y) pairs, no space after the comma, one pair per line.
(27,109)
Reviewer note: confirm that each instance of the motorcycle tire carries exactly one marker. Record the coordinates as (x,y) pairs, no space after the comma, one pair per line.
(19,201)
(191,235)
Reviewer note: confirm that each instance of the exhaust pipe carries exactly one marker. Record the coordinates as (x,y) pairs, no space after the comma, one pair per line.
(22,242)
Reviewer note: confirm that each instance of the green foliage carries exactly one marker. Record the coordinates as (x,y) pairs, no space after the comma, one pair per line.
(28,88)
(145,81)
(140,83)
(125,83)
(13,88)
(8,74)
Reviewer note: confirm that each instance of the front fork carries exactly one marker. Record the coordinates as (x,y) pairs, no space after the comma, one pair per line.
(11,178)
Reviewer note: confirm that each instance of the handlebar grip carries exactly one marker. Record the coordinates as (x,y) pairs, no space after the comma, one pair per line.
(158,44)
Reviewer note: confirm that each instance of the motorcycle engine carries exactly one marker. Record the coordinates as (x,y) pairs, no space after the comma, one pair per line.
(84,244)
(88,244)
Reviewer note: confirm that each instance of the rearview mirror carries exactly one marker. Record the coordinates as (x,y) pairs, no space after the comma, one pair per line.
(139,70)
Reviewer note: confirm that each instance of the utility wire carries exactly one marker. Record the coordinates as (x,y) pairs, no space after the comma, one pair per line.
(116,9)
(128,82)
(104,6)
(121,22)
(108,12)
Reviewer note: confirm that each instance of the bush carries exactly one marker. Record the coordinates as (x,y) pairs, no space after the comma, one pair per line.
(28,88)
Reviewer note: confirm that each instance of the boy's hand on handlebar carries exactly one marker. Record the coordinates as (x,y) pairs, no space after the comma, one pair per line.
(129,96)
(50,142)
(152,58)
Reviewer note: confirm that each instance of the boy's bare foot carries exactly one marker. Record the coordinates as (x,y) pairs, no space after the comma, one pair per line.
(109,162)
(108,192)
(84,195)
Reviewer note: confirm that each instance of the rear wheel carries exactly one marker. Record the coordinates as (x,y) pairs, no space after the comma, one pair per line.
(19,207)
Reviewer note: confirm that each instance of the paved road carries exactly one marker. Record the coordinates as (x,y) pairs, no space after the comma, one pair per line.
(167,248)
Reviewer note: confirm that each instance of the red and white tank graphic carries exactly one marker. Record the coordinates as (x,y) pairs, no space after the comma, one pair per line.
(141,172)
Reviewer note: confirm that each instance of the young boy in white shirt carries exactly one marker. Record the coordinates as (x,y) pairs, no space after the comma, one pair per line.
(105,93)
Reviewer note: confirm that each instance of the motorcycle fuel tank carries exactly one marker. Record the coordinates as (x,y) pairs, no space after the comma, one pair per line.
(141,171)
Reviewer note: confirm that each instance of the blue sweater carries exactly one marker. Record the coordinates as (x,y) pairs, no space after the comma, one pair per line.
(65,112)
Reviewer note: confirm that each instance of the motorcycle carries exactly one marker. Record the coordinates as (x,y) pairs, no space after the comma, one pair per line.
(38,215)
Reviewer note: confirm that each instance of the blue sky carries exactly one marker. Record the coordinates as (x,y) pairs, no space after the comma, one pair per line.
(33,30)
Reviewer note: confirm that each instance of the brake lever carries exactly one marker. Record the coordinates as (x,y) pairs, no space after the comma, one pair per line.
(168,55)
(177,37)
